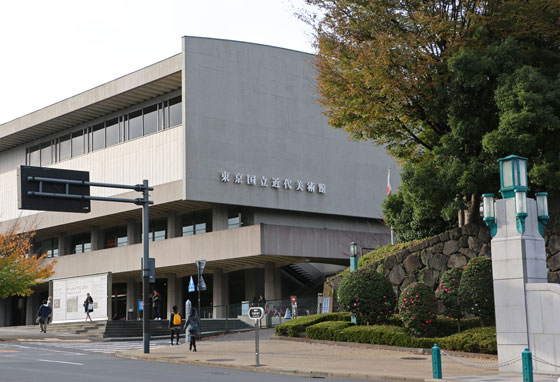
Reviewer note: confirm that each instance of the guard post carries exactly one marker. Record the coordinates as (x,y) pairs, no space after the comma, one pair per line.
(527,361)
(436,362)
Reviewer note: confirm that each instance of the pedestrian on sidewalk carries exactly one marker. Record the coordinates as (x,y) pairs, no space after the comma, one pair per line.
(43,316)
(156,302)
(192,326)
(88,307)
(175,323)
(49,303)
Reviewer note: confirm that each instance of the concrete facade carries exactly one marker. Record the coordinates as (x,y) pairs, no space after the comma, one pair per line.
(251,178)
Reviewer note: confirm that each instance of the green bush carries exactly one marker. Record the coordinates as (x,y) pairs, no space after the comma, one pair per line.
(297,325)
(326,330)
(476,290)
(417,309)
(367,294)
(446,326)
(449,297)
(477,340)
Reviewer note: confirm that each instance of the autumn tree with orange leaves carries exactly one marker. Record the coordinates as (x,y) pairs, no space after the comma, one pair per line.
(19,268)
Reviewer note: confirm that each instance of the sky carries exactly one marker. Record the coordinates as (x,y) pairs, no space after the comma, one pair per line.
(52,50)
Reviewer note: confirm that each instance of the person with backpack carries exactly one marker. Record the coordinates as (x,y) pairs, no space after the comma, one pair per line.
(175,323)
(192,325)
(43,316)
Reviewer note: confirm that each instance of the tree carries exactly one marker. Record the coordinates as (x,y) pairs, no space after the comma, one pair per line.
(476,290)
(449,294)
(423,79)
(19,269)
(417,309)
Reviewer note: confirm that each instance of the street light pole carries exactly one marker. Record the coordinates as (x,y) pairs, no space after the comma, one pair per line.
(146,267)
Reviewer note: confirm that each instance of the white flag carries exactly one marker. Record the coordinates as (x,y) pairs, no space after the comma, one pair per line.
(388,181)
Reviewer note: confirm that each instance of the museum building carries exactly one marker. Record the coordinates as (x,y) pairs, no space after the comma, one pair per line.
(247,175)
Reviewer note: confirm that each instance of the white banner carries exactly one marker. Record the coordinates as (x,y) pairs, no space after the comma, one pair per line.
(69,296)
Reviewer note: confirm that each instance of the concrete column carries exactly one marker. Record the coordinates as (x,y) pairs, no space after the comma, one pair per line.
(63,245)
(97,239)
(251,284)
(109,296)
(131,297)
(269,282)
(30,312)
(173,225)
(3,312)
(8,311)
(219,218)
(134,232)
(220,293)
(277,284)
(172,294)
(179,295)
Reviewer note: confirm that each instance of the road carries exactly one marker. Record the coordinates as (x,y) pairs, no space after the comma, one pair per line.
(92,361)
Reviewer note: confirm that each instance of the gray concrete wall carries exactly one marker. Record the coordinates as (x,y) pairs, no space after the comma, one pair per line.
(253,110)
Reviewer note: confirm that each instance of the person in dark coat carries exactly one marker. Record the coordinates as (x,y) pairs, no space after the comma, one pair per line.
(175,324)
(156,303)
(88,307)
(193,325)
(43,316)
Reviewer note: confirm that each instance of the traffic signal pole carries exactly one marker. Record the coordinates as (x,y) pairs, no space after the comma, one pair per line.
(146,267)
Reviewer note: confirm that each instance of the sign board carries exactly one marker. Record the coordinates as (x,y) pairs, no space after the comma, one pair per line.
(256,312)
(191,285)
(140,305)
(200,264)
(69,295)
(52,203)
(326,305)
(152,270)
(201,283)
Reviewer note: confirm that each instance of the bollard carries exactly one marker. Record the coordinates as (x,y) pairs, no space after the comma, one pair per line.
(527,360)
(436,362)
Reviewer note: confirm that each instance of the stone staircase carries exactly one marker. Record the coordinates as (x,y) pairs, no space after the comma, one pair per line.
(131,329)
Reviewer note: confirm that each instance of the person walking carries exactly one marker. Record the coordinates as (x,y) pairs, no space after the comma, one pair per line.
(43,316)
(175,323)
(49,303)
(88,307)
(192,326)
(156,303)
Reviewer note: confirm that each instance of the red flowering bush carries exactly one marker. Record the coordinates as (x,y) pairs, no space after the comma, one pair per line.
(417,309)
(368,295)
(449,287)
(476,290)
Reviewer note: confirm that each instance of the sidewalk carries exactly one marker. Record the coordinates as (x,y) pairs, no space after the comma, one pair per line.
(323,360)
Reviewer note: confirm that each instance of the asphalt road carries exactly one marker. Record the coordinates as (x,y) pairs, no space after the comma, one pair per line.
(89,362)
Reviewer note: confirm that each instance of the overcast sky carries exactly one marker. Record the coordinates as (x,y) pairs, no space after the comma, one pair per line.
(52,50)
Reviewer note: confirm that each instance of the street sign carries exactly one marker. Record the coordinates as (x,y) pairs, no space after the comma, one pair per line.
(152,270)
(140,305)
(200,264)
(201,283)
(256,312)
(44,180)
(191,286)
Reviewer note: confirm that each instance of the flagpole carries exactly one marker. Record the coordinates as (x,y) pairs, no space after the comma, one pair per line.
(389,193)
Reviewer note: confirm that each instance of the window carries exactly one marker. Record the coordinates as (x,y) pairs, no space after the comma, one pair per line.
(197,223)
(46,154)
(158,230)
(48,247)
(98,136)
(150,120)
(64,147)
(81,243)
(112,132)
(116,237)
(175,112)
(77,143)
(34,156)
(135,124)
(234,219)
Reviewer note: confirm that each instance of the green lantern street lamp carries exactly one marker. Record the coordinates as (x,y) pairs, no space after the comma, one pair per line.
(489,213)
(542,209)
(513,175)
(353,256)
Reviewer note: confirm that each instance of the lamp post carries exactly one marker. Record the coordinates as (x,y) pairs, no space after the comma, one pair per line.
(353,267)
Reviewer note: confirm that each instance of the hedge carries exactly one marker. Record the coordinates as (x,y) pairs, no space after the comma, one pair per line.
(326,330)
(476,340)
(297,325)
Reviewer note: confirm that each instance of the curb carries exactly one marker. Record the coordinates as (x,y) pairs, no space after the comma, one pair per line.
(272,370)
(383,347)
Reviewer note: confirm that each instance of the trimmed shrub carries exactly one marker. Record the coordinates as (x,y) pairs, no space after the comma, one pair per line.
(445,326)
(477,340)
(476,290)
(326,330)
(417,309)
(297,325)
(449,287)
(367,294)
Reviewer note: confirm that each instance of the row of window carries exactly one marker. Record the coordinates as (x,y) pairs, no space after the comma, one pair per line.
(192,224)
(148,120)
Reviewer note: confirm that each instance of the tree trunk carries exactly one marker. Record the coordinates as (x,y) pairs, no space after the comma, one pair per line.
(473,212)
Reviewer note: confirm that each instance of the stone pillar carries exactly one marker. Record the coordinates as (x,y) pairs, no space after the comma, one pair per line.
(172,295)
(131,298)
(173,225)
(63,245)
(134,232)
(220,293)
(251,284)
(517,259)
(97,239)
(270,276)
(219,218)
(30,311)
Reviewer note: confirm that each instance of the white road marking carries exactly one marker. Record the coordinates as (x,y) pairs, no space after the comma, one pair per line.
(56,351)
(68,363)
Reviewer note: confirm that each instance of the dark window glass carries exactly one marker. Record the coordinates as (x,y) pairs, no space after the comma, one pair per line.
(188,230)
(46,154)
(64,147)
(175,113)
(34,156)
(98,137)
(158,230)
(150,119)
(135,124)
(49,248)
(81,243)
(234,219)
(197,223)
(116,237)
(112,132)
(200,228)
(77,143)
